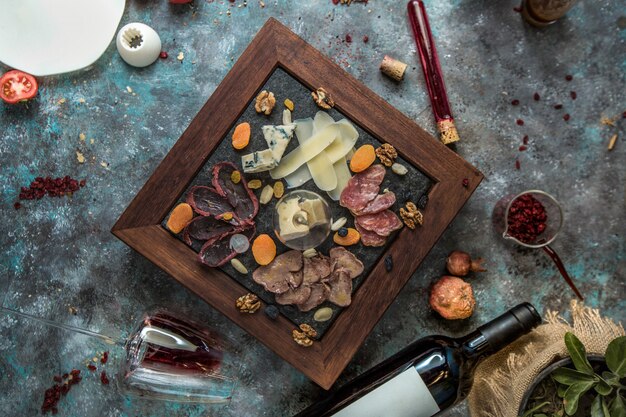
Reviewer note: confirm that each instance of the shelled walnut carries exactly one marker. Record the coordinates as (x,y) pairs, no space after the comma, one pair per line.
(387,154)
(265,102)
(304,336)
(248,303)
(411,215)
(322,99)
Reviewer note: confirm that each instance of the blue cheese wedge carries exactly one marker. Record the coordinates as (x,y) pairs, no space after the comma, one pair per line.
(277,138)
(258,161)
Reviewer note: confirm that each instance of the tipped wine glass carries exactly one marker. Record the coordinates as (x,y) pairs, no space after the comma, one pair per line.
(532,219)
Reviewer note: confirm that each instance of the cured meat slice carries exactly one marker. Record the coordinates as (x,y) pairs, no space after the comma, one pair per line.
(340,288)
(208,202)
(275,276)
(362,188)
(319,294)
(378,204)
(238,195)
(345,260)
(295,279)
(206,228)
(294,296)
(316,269)
(369,238)
(382,223)
(217,251)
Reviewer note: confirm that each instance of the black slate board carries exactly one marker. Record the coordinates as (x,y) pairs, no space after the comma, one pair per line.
(407,188)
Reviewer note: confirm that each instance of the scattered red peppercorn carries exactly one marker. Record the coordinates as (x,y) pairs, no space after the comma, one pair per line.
(523,148)
(624,115)
(163,55)
(335,2)
(91,367)
(104,358)
(348,38)
(536,97)
(573,95)
(103,378)
(515,102)
(569,77)
(520,122)
(517,164)
(517,9)
(566,117)
(53,187)
(526,218)
(558,106)
(366,39)
(465,182)
(525,140)
(17,205)
(62,386)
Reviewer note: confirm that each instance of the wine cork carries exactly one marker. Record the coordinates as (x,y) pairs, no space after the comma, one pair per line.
(447,131)
(393,68)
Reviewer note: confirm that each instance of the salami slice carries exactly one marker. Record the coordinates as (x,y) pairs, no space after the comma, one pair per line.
(362,188)
(378,204)
(238,195)
(208,202)
(205,228)
(382,223)
(217,251)
(369,238)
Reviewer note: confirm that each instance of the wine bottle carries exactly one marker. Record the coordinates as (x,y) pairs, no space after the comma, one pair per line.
(427,376)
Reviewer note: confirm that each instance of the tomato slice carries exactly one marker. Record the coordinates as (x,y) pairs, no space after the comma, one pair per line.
(17,86)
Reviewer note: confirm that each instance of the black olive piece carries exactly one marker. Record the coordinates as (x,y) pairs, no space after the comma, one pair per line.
(388,263)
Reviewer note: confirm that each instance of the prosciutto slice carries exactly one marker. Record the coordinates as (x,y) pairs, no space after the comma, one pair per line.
(378,204)
(238,195)
(362,188)
(208,202)
(382,223)
(217,251)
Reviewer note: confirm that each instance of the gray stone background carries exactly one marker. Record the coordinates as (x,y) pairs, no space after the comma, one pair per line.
(58,253)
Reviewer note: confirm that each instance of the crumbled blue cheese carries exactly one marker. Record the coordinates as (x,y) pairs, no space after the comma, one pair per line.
(258,161)
(277,138)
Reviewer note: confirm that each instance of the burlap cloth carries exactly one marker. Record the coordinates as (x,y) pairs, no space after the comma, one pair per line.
(501,381)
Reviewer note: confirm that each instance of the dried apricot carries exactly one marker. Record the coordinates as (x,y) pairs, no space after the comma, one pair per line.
(180,217)
(351,238)
(263,249)
(241,135)
(363,158)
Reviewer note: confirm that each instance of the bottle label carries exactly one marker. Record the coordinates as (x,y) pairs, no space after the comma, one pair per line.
(404,395)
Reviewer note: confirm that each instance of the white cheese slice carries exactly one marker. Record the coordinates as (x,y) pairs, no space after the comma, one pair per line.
(304,131)
(277,138)
(321,120)
(316,212)
(305,152)
(258,161)
(289,229)
(343,176)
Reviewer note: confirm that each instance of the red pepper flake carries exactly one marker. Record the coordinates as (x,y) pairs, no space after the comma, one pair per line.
(91,367)
(536,97)
(517,9)
(163,55)
(558,106)
(103,378)
(515,102)
(17,205)
(348,38)
(465,182)
(526,218)
(517,164)
(57,378)
(566,117)
(520,122)
(62,386)
(569,77)
(366,39)
(335,2)
(53,187)
(104,358)
(525,140)
(523,148)
(573,95)
(624,115)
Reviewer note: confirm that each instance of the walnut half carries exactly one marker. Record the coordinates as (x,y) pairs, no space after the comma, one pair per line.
(322,99)
(411,215)
(387,154)
(265,102)
(248,303)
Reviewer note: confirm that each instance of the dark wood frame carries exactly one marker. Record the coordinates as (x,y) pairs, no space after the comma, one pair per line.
(276,46)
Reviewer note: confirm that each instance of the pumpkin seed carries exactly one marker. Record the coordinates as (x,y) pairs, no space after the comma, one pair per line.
(309,253)
(266,194)
(239,267)
(399,169)
(323,314)
(338,224)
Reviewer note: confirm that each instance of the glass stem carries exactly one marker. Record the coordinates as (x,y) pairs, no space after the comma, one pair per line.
(559,264)
(107,339)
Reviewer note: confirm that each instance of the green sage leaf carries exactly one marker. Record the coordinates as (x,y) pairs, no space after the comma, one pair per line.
(536,408)
(618,408)
(560,391)
(569,376)
(602,387)
(573,394)
(578,353)
(611,378)
(598,406)
(616,356)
